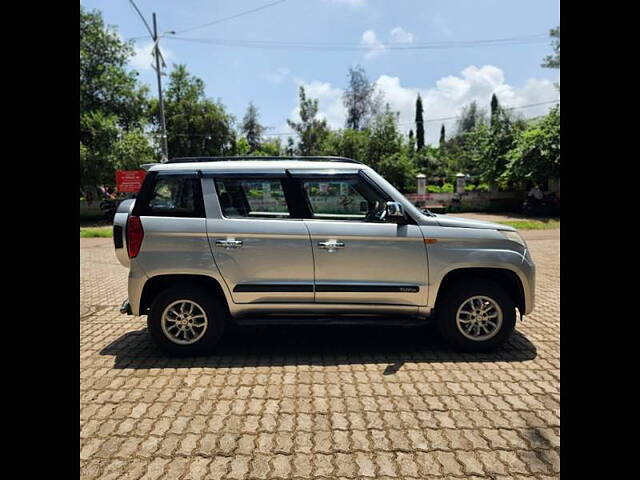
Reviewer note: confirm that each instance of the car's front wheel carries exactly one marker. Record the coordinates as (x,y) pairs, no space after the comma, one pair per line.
(476,315)
(185,321)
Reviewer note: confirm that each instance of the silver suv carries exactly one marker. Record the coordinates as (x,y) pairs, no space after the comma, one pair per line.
(211,242)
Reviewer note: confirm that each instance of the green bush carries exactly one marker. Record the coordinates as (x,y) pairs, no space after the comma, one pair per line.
(482,187)
(447,188)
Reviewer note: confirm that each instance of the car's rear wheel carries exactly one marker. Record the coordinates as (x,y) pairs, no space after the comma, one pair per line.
(476,315)
(187,320)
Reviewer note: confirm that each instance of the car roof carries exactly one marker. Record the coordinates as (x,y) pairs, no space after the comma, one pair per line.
(248,163)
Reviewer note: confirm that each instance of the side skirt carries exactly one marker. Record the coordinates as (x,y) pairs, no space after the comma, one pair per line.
(386,320)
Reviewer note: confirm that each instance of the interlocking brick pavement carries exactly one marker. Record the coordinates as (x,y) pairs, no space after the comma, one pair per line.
(324,402)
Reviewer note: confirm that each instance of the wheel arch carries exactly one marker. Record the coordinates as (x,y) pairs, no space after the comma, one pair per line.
(158,283)
(508,279)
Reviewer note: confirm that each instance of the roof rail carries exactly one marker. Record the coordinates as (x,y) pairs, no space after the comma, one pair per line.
(240,158)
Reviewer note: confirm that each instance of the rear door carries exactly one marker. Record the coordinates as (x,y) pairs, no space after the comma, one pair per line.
(262,251)
(359,258)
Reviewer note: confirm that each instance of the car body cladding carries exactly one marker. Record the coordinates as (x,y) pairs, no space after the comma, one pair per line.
(373,262)
(169,246)
(456,248)
(273,264)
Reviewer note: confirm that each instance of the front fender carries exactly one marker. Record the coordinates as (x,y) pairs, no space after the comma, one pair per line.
(459,248)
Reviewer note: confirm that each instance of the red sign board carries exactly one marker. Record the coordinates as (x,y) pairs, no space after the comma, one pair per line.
(129,180)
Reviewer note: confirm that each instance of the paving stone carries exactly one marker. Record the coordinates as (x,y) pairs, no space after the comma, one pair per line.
(302,403)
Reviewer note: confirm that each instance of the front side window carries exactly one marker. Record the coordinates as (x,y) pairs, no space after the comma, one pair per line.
(343,198)
(175,196)
(252,197)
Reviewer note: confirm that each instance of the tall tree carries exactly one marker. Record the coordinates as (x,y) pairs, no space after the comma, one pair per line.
(113,106)
(553,61)
(290,148)
(495,108)
(470,117)
(535,156)
(196,125)
(311,131)
(359,99)
(419,125)
(105,82)
(252,128)
(442,139)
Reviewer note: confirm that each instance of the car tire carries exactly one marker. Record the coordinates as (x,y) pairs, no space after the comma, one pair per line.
(468,312)
(176,317)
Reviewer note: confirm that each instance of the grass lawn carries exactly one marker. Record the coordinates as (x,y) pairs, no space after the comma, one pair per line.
(105,232)
(532,224)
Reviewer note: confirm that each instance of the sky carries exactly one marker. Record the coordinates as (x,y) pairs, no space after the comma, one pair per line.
(405,46)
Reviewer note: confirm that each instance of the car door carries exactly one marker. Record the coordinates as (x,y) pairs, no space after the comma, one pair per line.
(359,258)
(262,252)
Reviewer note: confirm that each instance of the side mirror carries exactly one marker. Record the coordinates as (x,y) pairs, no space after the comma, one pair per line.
(394,213)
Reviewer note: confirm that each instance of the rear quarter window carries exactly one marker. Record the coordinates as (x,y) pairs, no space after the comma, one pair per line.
(172,196)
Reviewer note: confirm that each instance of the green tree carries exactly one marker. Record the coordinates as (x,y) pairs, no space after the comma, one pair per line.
(384,137)
(489,146)
(113,107)
(470,117)
(411,143)
(268,148)
(311,131)
(252,128)
(442,137)
(290,149)
(535,156)
(196,125)
(132,150)
(399,169)
(419,125)
(495,108)
(106,84)
(359,99)
(553,61)
(98,137)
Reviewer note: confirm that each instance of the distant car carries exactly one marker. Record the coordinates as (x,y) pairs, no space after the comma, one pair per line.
(215,241)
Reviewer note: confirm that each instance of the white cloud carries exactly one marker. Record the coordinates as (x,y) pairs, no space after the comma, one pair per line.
(143,57)
(446,99)
(349,3)
(400,35)
(374,45)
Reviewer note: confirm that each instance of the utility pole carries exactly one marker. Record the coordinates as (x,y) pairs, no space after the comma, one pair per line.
(163,127)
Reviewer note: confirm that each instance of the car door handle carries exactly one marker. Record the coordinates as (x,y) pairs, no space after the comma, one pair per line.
(229,243)
(331,245)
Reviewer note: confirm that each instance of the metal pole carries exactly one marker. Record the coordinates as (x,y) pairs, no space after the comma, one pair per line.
(163,128)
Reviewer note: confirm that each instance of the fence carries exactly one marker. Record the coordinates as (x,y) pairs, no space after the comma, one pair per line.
(473,201)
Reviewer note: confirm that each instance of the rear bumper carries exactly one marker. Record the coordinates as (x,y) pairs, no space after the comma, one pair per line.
(125,308)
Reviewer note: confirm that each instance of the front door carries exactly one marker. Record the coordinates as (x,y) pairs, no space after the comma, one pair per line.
(358,257)
(264,255)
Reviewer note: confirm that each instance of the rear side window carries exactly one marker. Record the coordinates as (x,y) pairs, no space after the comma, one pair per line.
(174,196)
(252,198)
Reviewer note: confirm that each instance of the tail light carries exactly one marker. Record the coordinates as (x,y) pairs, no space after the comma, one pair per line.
(135,235)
